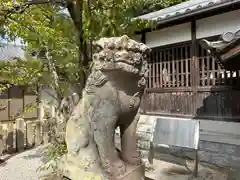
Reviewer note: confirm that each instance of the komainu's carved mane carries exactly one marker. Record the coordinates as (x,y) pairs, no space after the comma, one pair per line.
(118,54)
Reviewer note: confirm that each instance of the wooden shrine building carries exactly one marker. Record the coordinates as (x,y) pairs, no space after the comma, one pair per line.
(185,81)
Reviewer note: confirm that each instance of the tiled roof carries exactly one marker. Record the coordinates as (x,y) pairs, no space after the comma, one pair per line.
(226,50)
(11,51)
(184,9)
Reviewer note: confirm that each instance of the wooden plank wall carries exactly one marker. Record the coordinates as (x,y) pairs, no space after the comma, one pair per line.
(178,87)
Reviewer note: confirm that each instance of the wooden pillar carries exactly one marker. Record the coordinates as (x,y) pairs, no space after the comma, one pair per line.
(194,68)
(145,95)
(194,81)
(20,134)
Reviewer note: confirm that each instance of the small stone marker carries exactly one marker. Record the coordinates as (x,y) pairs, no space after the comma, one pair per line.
(9,140)
(5,135)
(46,137)
(1,140)
(38,140)
(30,134)
(41,111)
(20,134)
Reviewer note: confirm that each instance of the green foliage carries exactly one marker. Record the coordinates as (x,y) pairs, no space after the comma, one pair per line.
(42,26)
(45,27)
(52,154)
(20,72)
(140,7)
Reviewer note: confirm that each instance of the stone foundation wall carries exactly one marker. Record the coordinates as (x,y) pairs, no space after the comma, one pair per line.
(144,132)
(221,154)
(172,154)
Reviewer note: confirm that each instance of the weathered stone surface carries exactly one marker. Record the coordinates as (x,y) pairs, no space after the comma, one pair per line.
(46,132)
(144,133)
(111,99)
(1,140)
(9,140)
(30,134)
(38,133)
(20,134)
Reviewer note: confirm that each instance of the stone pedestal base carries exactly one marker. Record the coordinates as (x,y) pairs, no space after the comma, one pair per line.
(75,173)
(134,173)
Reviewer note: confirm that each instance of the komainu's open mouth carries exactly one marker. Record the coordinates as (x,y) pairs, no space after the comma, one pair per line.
(121,54)
(120,65)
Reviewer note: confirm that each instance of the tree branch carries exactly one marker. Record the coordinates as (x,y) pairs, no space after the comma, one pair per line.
(76,13)
(53,71)
(18,9)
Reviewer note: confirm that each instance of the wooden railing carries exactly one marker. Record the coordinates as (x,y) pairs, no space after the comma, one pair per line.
(193,87)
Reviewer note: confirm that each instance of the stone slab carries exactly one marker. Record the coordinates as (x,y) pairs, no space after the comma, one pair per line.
(75,173)
(134,173)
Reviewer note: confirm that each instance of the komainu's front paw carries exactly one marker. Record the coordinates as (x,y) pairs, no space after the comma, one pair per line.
(133,158)
(118,169)
(114,170)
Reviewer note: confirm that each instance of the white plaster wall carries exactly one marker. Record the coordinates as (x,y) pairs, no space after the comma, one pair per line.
(216,25)
(169,35)
(211,26)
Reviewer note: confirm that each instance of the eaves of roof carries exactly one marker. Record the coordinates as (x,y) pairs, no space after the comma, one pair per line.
(186,9)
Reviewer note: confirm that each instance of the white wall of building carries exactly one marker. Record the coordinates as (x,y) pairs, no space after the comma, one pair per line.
(169,35)
(216,25)
(211,26)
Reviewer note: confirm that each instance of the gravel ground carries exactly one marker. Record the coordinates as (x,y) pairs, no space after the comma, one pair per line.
(22,166)
(168,171)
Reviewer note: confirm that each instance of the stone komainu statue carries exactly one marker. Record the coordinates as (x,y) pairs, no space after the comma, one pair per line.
(111,99)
